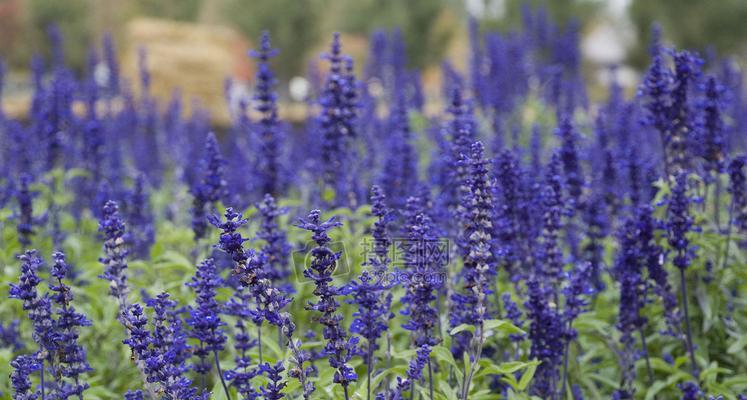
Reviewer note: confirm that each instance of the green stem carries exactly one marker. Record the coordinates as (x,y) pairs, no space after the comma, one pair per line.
(689,336)
(220,375)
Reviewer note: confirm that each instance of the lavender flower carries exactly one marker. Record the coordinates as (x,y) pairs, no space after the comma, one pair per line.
(655,95)
(273,389)
(510,236)
(415,369)
(26,220)
(140,216)
(738,190)
(241,376)
(399,174)
(210,189)
(323,264)
(336,119)
(270,136)
(160,353)
(10,337)
(276,249)
(513,313)
(573,175)
(679,225)
(71,356)
(470,305)
(114,260)
(628,271)
(690,391)
(204,319)
(379,261)
(682,133)
(550,255)
(543,330)
(268,299)
(423,281)
(23,367)
(653,259)
(595,218)
(134,395)
(373,314)
(39,308)
(712,127)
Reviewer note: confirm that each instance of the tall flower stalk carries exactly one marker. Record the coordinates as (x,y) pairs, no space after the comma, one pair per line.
(679,225)
(471,305)
(338,348)
(269,301)
(205,320)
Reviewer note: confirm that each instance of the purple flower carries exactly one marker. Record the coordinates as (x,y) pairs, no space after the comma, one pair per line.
(712,128)
(204,319)
(269,134)
(71,356)
(680,223)
(573,175)
(690,391)
(628,270)
(545,324)
(26,219)
(382,240)
(140,217)
(273,389)
(399,174)
(595,217)
(241,376)
(114,260)
(134,395)
(511,212)
(738,190)
(160,354)
(39,308)
(373,315)
(276,249)
(470,305)
(653,258)
(324,260)
(338,348)
(577,293)
(423,280)
(513,313)
(10,336)
(550,257)
(23,367)
(210,189)
(336,120)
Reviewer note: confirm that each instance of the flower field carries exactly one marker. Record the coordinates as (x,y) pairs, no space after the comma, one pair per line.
(525,242)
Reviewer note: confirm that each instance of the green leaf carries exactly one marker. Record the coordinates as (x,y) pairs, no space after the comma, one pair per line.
(442,354)
(505,368)
(502,326)
(738,345)
(526,377)
(462,328)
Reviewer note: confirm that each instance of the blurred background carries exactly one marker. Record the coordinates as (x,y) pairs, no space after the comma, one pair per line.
(195,45)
